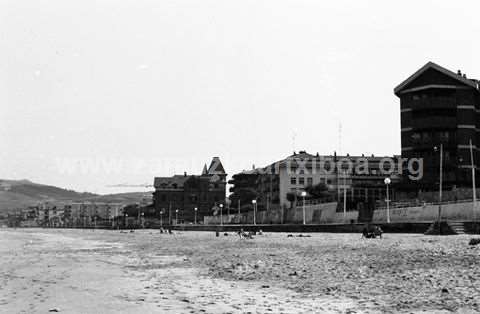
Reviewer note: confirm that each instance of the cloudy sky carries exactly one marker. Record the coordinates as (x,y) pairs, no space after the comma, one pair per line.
(95,93)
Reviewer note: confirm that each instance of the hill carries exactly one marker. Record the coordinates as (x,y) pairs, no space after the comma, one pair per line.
(18,194)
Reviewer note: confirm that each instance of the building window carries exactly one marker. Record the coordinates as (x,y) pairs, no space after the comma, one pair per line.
(309,181)
(444,136)
(301,180)
(426,137)
(327,166)
(416,137)
(293,180)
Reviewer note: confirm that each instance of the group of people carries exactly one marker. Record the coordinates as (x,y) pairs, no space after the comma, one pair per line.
(247,235)
(371,232)
(242,234)
(169,230)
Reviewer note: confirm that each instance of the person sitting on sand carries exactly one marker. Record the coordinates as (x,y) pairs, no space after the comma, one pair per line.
(368,232)
(365,232)
(377,231)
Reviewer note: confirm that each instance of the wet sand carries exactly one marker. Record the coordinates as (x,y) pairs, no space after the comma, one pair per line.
(84,271)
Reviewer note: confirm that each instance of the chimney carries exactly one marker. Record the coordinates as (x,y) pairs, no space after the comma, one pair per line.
(459,72)
(185,174)
(464,75)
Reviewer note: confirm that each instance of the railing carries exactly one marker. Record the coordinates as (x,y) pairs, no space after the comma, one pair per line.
(312,202)
(422,204)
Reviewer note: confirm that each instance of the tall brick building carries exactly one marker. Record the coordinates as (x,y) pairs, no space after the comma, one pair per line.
(187,192)
(437,107)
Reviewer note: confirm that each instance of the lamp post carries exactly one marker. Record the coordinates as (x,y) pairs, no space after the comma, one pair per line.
(142,219)
(441,183)
(474,187)
(126,218)
(161,218)
(176,216)
(195,209)
(344,194)
(387,200)
(221,214)
(254,202)
(303,207)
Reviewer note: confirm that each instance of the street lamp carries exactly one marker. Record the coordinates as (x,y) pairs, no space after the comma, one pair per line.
(143,220)
(126,217)
(254,202)
(221,214)
(303,209)
(195,209)
(176,216)
(161,218)
(441,182)
(387,183)
(474,187)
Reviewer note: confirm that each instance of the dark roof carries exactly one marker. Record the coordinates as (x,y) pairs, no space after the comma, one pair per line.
(176,181)
(216,167)
(303,155)
(431,65)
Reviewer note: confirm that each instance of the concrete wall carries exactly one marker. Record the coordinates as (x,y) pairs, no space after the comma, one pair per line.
(326,214)
(455,211)
(314,214)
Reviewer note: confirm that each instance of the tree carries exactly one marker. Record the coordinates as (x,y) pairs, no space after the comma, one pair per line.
(292,198)
(318,191)
(244,195)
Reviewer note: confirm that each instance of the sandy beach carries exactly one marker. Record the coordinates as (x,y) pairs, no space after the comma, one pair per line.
(85,271)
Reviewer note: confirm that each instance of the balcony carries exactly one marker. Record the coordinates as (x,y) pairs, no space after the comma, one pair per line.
(434,123)
(433,102)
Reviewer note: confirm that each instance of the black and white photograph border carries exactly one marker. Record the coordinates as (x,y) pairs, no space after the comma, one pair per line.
(226,156)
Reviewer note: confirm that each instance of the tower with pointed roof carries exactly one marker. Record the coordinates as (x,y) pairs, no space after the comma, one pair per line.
(187,192)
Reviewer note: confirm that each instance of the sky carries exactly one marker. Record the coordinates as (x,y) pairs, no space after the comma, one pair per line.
(98,93)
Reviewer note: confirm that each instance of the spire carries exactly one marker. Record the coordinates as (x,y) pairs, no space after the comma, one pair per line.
(216,167)
(204,171)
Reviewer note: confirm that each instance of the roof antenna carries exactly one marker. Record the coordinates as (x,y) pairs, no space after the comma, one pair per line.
(340,137)
(294,136)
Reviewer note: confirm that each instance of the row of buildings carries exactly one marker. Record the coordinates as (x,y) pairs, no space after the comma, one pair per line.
(440,136)
(71,214)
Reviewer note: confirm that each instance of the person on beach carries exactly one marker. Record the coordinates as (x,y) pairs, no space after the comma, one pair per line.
(378,232)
